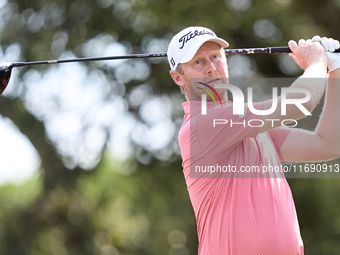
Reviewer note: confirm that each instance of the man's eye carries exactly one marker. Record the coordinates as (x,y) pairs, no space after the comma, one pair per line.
(197,62)
(214,56)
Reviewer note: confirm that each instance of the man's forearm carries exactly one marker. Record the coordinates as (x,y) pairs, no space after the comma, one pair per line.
(311,57)
(314,80)
(329,124)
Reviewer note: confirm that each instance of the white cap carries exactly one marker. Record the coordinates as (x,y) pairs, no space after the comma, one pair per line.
(186,43)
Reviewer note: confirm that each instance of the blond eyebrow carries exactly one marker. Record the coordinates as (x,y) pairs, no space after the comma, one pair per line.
(214,51)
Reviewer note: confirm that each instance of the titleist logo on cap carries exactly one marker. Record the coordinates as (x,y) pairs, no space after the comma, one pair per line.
(187,37)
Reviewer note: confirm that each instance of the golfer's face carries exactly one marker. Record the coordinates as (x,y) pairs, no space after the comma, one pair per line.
(208,63)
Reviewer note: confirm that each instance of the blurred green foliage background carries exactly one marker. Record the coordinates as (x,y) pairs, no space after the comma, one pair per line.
(110,179)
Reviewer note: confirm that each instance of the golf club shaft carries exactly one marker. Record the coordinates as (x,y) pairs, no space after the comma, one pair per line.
(268,50)
(6,69)
(146,55)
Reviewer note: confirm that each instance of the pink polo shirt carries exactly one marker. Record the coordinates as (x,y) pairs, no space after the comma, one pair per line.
(237,213)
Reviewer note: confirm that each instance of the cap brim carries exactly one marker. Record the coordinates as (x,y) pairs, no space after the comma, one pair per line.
(192,51)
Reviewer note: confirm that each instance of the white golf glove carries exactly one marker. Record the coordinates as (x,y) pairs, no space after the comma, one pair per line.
(330,45)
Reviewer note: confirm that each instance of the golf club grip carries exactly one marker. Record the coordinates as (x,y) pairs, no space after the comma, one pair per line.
(269,50)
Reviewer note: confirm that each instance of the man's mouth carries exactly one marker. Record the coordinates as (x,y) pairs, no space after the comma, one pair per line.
(213,80)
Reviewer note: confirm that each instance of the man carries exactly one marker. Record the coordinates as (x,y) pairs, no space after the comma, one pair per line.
(249,215)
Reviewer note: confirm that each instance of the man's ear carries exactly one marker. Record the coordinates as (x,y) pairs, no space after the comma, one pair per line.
(177,77)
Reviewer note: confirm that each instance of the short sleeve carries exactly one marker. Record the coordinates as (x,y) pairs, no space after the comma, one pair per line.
(278,136)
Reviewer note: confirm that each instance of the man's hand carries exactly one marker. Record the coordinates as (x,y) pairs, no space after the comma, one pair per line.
(307,53)
(330,45)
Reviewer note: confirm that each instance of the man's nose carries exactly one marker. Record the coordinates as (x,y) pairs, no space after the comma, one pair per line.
(210,67)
